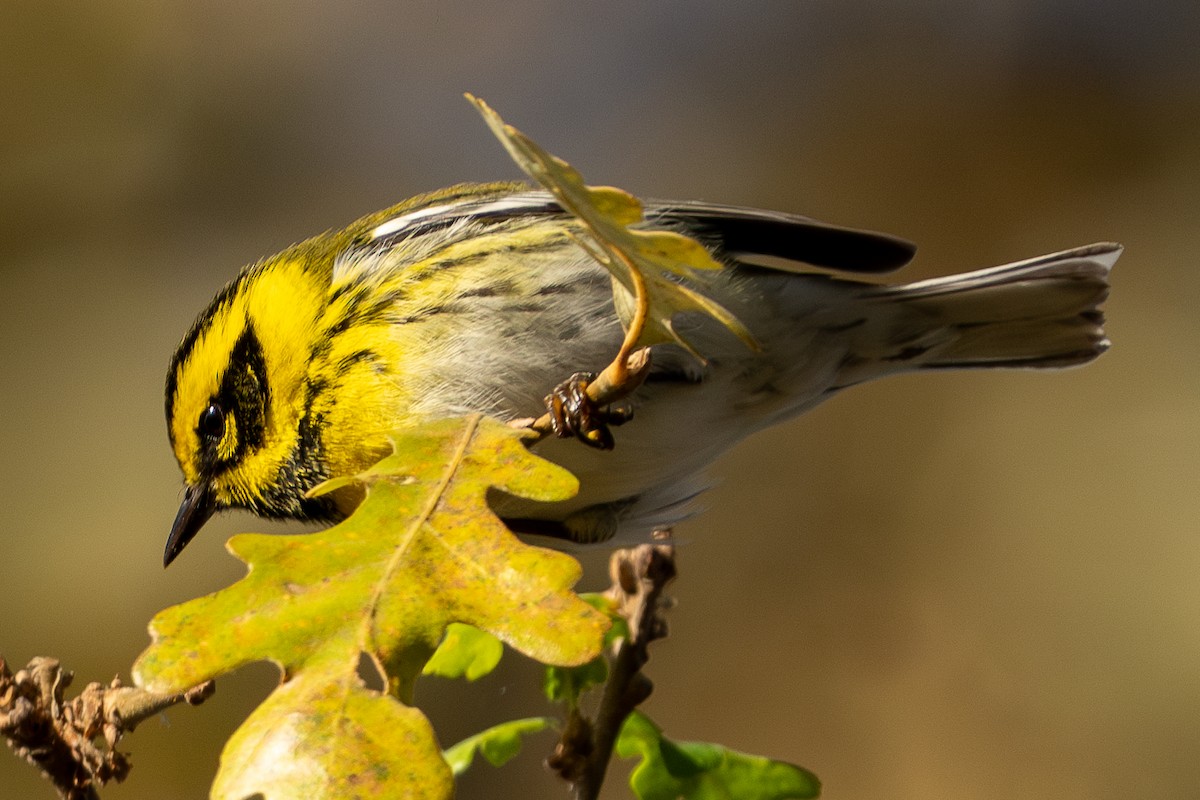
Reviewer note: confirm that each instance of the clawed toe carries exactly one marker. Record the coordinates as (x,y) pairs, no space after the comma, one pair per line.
(573,413)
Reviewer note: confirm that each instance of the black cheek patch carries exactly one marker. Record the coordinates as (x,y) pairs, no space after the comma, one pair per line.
(245,392)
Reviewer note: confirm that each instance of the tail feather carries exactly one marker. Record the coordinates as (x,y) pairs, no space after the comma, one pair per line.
(1039,313)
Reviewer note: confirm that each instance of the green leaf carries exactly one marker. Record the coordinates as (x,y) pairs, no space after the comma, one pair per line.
(567,684)
(421,552)
(498,744)
(465,652)
(700,771)
(662,261)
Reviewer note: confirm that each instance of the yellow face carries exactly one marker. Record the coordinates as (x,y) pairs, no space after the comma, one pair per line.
(236,394)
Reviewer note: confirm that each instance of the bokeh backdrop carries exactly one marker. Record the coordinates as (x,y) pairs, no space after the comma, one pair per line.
(951,586)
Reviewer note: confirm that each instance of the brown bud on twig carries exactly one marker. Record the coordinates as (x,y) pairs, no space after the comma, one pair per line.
(639,578)
(60,737)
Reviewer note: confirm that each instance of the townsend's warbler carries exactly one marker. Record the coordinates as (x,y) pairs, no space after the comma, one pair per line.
(480,298)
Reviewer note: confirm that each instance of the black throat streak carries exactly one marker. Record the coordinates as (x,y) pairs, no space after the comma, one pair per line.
(304,469)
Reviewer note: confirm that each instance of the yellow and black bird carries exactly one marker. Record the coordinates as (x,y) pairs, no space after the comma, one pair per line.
(480,298)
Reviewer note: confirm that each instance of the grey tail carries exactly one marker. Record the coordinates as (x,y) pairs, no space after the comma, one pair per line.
(1040,313)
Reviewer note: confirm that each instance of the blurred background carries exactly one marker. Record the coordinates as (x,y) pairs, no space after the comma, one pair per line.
(944,586)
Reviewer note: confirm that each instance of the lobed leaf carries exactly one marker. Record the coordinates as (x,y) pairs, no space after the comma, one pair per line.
(656,261)
(700,771)
(316,737)
(423,551)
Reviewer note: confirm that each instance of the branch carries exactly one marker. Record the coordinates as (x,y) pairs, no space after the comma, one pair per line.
(59,737)
(639,577)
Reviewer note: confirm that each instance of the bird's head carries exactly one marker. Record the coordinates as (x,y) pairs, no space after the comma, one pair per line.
(237,395)
(295,372)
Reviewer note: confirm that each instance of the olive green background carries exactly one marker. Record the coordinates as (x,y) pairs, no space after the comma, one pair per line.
(948,586)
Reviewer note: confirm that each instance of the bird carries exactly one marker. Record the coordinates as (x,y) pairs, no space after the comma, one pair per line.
(480,298)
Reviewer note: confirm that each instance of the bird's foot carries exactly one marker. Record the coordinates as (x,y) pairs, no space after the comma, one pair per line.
(573,413)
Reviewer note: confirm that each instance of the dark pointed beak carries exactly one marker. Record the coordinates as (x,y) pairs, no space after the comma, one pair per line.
(198,505)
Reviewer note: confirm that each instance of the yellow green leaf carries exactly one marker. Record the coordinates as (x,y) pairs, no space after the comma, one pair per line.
(320,738)
(421,552)
(657,261)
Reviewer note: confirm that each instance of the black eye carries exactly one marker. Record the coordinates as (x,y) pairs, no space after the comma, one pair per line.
(212,423)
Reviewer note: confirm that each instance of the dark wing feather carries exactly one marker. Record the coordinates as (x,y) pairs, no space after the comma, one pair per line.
(746,234)
(750,234)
